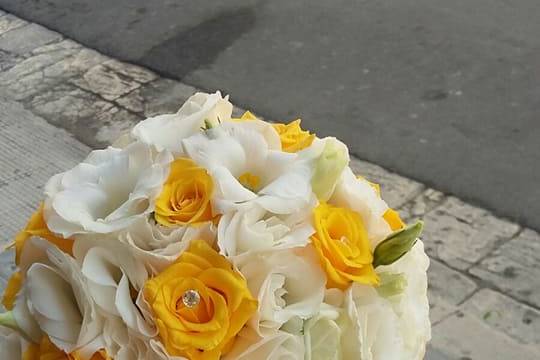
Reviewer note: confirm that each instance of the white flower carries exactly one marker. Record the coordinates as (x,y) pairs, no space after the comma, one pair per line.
(12,345)
(358,195)
(112,272)
(323,334)
(107,192)
(275,180)
(59,299)
(287,283)
(165,132)
(158,246)
(278,346)
(393,327)
(254,229)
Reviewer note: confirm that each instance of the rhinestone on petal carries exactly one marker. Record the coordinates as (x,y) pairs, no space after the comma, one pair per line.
(191,298)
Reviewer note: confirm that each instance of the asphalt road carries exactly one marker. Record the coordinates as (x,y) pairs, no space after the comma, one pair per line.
(445,92)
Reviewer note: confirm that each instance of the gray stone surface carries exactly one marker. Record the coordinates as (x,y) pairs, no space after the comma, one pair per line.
(506,315)
(395,189)
(460,234)
(31,151)
(463,337)
(111,80)
(158,97)
(447,288)
(514,268)
(418,207)
(24,39)
(9,22)
(91,119)
(49,65)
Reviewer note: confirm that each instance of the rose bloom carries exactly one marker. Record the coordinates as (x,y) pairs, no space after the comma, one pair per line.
(206,329)
(293,138)
(185,198)
(343,247)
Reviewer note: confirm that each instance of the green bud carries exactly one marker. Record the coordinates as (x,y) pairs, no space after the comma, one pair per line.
(328,168)
(397,244)
(391,284)
(8,320)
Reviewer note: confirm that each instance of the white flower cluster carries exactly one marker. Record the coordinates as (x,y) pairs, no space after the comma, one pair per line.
(116,271)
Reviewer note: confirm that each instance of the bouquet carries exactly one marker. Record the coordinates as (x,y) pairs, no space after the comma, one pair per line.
(201,236)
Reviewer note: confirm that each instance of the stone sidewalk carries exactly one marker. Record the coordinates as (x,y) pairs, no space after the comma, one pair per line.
(59,99)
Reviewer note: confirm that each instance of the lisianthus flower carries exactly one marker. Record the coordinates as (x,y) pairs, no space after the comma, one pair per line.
(324,332)
(342,244)
(114,278)
(278,346)
(12,344)
(165,132)
(107,192)
(358,194)
(199,303)
(185,197)
(254,229)
(59,300)
(288,283)
(158,246)
(395,326)
(247,170)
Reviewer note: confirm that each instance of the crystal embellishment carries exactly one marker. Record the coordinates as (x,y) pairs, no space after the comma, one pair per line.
(191,298)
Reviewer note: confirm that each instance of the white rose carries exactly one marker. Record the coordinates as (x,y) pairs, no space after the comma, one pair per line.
(166,131)
(246,170)
(158,246)
(287,283)
(359,195)
(395,326)
(278,346)
(107,192)
(255,229)
(59,299)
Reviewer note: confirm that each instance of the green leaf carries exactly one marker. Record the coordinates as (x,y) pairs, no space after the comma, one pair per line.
(397,244)
(8,320)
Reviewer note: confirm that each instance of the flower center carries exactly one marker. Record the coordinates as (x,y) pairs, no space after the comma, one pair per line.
(191,298)
(250,181)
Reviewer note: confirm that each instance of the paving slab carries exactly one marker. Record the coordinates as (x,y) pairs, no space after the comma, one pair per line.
(506,315)
(461,235)
(90,118)
(158,97)
(24,39)
(395,189)
(514,268)
(32,151)
(463,337)
(9,22)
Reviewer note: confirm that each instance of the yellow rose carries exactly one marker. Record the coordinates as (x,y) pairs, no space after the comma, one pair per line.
(46,350)
(37,226)
(185,198)
(343,247)
(199,303)
(293,138)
